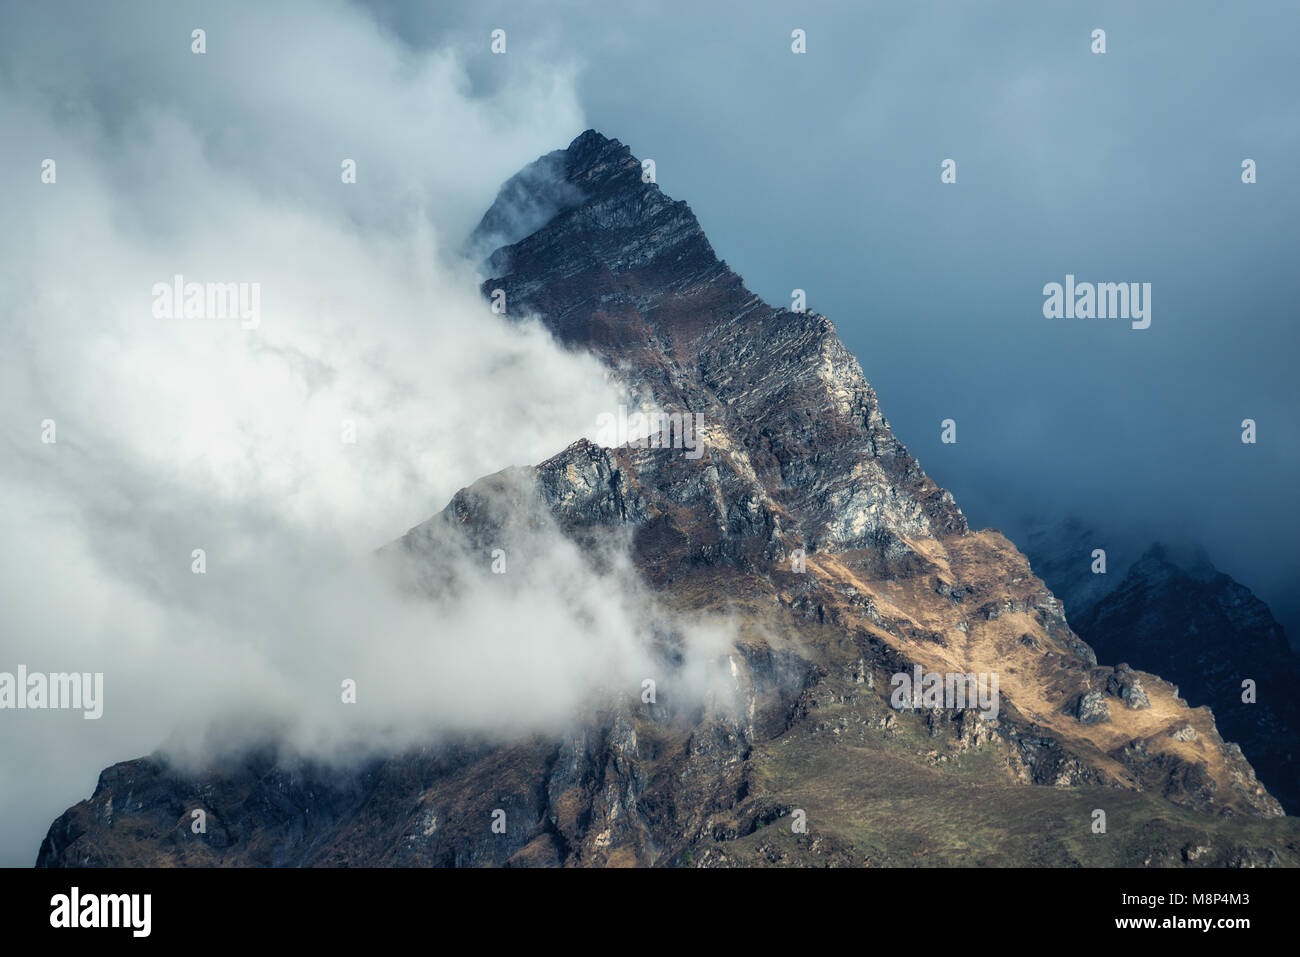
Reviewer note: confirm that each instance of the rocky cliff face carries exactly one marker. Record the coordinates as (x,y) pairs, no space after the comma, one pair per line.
(840,563)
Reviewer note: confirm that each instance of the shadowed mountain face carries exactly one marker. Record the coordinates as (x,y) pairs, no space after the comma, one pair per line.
(1063,555)
(1178,615)
(1168,610)
(840,564)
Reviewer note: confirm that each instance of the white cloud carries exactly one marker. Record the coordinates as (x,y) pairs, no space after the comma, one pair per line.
(176,434)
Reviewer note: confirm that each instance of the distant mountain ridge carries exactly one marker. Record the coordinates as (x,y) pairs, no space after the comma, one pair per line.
(1178,615)
(1167,609)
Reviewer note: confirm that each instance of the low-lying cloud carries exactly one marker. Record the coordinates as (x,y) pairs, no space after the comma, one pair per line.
(194,503)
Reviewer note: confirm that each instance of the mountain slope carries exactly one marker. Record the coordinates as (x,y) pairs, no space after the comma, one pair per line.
(1179,615)
(799,463)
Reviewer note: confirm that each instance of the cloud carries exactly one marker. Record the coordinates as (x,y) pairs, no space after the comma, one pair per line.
(177,434)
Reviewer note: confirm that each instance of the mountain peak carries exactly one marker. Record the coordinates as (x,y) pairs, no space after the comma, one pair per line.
(617,267)
(592,169)
(591,150)
(1187,560)
(791,509)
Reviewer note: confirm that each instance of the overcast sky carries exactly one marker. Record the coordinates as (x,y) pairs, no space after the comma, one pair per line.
(818,171)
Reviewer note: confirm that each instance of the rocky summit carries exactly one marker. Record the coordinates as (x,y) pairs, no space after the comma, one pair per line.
(840,565)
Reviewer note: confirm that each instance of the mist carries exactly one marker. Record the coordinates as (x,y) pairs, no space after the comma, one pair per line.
(194,504)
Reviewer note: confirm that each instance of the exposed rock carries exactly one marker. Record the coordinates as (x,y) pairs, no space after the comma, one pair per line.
(1091,708)
(1125,684)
